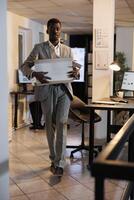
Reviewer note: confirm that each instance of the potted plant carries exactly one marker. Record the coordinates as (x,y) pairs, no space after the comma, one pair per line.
(120,58)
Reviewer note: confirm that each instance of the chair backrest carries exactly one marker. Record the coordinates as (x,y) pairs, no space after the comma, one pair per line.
(77,103)
(79,111)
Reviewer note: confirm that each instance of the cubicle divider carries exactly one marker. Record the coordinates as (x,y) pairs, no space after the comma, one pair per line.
(109,165)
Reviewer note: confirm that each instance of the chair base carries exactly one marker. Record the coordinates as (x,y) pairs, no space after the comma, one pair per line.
(97,149)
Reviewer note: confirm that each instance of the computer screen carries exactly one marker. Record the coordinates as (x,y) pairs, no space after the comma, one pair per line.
(128,81)
(21,78)
(79,56)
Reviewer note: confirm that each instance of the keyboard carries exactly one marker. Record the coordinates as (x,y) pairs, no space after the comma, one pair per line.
(105,102)
(119,100)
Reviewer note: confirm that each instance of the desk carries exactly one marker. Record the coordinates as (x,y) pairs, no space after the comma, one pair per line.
(16,94)
(107,107)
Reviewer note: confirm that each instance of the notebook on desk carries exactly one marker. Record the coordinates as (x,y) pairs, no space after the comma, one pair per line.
(119,99)
(109,102)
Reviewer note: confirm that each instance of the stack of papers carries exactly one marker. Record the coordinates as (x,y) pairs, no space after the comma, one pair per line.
(57,70)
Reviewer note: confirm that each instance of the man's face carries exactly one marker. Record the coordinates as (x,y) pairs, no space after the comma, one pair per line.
(54,31)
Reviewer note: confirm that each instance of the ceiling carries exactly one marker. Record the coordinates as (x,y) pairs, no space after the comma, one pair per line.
(75,15)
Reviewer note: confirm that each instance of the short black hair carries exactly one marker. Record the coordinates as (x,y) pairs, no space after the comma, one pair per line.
(53,21)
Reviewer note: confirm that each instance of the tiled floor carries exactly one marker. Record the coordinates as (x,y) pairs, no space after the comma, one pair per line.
(30,177)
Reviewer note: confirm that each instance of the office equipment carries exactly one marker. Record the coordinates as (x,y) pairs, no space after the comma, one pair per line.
(127,85)
(21,79)
(128,81)
(119,99)
(110,127)
(105,102)
(80,113)
(114,66)
(16,95)
(79,57)
(57,69)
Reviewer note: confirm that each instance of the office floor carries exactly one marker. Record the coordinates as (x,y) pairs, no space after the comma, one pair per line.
(30,177)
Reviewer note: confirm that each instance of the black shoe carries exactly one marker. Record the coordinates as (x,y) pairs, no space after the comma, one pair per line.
(33,127)
(52,168)
(58,171)
(40,127)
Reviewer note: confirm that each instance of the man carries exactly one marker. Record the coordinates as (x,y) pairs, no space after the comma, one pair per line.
(55,99)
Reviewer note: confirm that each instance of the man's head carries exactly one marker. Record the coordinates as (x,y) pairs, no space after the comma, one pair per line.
(54,30)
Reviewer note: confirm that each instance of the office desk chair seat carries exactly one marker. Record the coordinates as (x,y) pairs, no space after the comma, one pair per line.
(80,113)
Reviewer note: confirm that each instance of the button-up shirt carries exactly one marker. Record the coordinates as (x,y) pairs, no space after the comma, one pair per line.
(56,48)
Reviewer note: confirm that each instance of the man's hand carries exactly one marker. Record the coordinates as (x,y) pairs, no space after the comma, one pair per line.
(41,76)
(75,73)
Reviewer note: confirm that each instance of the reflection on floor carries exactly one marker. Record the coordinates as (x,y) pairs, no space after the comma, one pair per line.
(30,177)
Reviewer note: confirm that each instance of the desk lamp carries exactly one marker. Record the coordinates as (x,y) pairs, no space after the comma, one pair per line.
(114,66)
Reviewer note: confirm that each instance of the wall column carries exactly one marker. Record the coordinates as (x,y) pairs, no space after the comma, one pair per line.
(4,179)
(103,47)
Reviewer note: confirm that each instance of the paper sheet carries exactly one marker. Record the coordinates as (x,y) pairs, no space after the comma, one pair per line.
(57,69)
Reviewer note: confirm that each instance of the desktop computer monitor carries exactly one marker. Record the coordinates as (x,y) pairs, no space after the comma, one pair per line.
(79,57)
(128,81)
(22,81)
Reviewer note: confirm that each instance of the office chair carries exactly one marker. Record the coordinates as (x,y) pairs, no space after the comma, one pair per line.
(80,113)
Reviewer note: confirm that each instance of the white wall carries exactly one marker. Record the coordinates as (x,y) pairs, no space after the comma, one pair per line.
(32,28)
(103,21)
(4,179)
(124,43)
(103,40)
(14,23)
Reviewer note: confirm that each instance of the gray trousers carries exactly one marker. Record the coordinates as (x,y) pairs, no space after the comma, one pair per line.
(55,109)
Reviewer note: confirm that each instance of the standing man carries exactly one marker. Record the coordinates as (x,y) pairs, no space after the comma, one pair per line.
(55,99)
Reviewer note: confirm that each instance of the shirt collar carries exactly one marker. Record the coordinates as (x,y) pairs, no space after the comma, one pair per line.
(52,46)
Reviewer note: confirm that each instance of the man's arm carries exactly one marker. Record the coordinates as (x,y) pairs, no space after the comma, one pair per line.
(29,63)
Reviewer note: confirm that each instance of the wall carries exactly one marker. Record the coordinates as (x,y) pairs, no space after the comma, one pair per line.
(14,23)
(103,41)
(4,177)
(124,43)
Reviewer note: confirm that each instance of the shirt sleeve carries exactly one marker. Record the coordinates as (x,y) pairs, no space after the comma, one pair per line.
(29,63)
